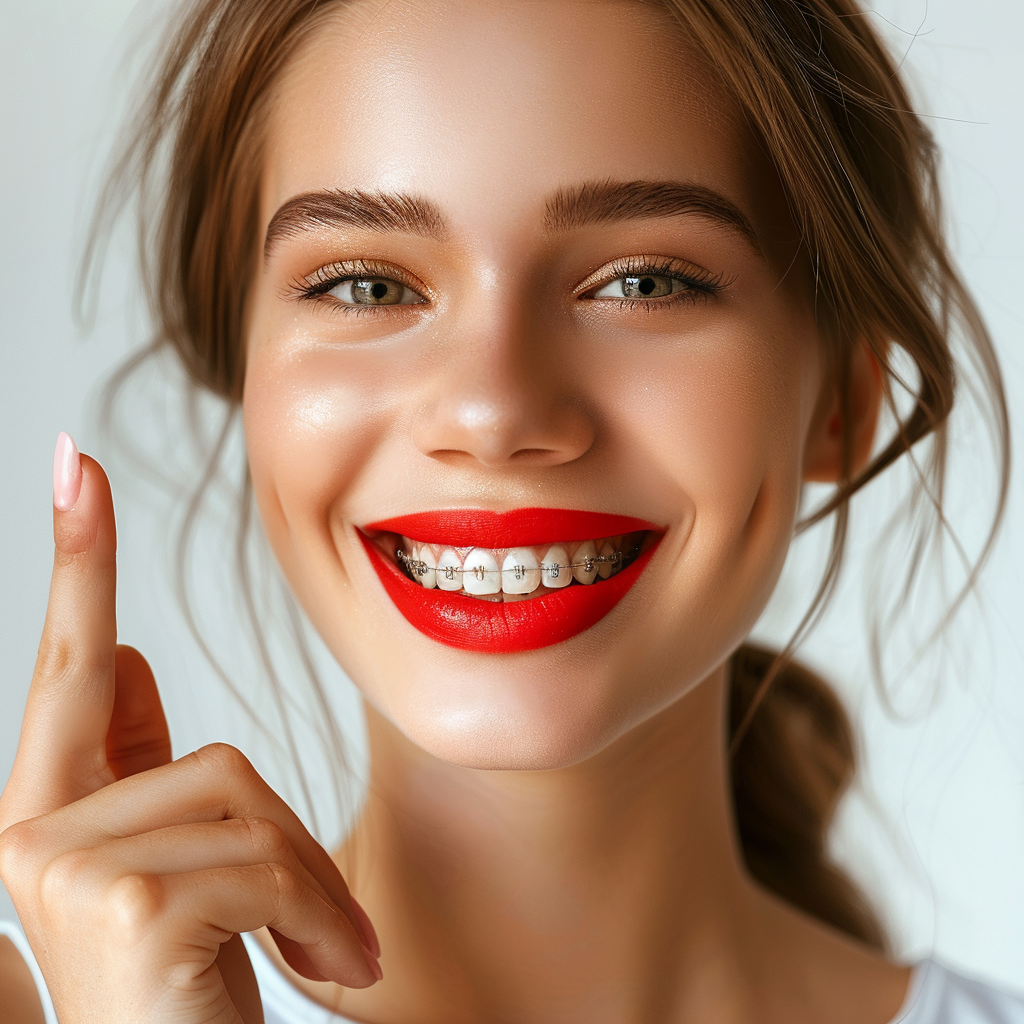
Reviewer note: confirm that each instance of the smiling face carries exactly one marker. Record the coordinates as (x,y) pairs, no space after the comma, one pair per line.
(521,256)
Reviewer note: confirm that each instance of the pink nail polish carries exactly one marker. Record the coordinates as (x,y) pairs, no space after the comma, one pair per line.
(67,473)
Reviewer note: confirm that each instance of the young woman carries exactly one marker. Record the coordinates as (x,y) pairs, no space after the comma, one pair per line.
(539,317)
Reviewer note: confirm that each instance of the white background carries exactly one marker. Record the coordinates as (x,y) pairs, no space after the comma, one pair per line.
(936,827)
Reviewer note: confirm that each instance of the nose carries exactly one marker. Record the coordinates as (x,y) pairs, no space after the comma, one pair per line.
(503,395)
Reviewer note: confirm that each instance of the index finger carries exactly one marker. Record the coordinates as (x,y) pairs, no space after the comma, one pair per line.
(62,750)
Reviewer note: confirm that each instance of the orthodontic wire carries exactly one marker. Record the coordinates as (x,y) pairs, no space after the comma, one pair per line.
(421,568)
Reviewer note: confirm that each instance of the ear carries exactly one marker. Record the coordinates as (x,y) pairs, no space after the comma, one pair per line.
(823,454)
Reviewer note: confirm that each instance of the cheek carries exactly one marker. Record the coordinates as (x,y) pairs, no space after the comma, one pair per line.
(719,417)
(310,432)
(719,424)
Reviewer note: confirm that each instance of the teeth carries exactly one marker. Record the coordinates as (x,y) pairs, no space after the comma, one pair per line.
(586,554)
(480,573)
(554,567)
(520,572)
(448,577)
(426,555)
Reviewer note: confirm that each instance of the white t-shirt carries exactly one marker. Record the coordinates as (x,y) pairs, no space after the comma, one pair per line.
(936,996)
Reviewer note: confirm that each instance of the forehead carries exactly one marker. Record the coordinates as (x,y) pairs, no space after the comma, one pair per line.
(469,101)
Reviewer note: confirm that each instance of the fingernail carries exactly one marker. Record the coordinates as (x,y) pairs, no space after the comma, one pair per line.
(67,473)
(371,962)
(365,926)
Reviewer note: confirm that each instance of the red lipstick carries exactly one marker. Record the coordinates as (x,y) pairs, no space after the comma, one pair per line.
(467,623)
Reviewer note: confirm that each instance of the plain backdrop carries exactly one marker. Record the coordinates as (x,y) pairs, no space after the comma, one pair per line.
(935,826)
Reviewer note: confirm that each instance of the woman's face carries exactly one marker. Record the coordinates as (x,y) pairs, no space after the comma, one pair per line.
(520,256)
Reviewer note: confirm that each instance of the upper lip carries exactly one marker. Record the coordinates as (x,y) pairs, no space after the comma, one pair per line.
(478,527)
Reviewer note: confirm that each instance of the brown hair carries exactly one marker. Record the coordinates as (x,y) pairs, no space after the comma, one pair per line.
(859,168)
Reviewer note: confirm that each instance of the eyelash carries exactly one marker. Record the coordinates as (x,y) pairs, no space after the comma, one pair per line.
(699,283)
(315,287)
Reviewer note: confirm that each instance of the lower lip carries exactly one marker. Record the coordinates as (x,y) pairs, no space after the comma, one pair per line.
(503,627)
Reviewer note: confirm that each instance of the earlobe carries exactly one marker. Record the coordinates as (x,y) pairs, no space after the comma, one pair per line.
(823,454)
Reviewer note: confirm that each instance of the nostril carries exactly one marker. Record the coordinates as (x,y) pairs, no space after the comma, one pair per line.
(452,455)
(526,454)
(523,456)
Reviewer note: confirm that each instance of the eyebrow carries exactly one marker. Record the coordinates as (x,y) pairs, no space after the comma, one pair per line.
(374,211)
(602,202)
(592,202)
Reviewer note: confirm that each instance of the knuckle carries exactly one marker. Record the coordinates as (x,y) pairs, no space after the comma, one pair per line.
(222,759)
(69,552)
(59,657)
(134,903)
(56,656)
(63,877)
(267,838)
(21,849)
(283,883)
(82,545)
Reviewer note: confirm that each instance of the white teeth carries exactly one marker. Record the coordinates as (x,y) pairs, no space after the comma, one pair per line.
(481,575)
(425,555)
(607,549)
(521,572)
(554,567)
(584,564)
(448,578)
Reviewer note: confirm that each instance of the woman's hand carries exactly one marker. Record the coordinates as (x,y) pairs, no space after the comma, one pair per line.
(133,874)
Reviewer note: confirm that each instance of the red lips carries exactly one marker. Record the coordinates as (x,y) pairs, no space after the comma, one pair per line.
(503,627)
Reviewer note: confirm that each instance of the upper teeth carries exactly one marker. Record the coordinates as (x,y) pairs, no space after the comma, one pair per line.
(484,571)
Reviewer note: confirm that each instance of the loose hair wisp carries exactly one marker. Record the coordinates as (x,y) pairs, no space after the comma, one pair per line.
(859,168)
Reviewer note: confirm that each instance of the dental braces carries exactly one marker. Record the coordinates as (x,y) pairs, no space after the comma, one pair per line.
(420,568)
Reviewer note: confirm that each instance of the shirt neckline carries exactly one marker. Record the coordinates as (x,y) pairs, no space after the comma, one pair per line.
(922,979)
(295,1007)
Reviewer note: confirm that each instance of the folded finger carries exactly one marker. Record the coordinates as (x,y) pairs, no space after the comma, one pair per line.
(205,908)
(138,738)
(209,785)
(178,849)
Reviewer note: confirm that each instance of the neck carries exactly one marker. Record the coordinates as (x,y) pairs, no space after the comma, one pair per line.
(611,869)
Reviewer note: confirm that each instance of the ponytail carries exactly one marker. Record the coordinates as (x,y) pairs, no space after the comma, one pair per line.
(789,770)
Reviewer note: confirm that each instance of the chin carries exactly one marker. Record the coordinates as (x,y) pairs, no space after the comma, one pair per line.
(534,713)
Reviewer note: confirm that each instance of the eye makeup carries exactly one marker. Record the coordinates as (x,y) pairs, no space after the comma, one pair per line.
(651,282)
(644,282)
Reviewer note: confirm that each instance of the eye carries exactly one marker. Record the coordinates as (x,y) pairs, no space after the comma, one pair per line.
(650,283)
(372,291)
(641,286)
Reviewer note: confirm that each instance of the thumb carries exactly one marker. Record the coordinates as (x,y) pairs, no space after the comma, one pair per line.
(138,738)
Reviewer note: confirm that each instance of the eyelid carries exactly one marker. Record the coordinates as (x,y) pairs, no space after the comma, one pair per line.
(324,278)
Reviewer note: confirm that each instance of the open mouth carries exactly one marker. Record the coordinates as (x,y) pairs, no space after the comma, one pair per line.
(520,573)
(512,581)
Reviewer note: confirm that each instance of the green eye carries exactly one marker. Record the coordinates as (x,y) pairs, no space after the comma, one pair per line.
(641,286)
(373,291)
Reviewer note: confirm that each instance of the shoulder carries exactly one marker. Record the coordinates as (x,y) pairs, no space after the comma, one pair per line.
(18,990)
(942,996)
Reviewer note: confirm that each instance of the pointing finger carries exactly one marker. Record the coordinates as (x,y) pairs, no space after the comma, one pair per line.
(62,754)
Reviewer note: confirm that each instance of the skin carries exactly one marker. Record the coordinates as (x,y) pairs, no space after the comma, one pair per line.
(548,835)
